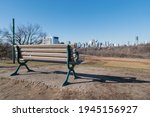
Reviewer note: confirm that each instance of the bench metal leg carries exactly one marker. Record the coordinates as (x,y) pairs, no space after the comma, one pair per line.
(22,64)
(15,73)
(29,70)
(67,77)
(75,75)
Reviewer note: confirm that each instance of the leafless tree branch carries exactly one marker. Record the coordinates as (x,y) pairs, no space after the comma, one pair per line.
(29,34)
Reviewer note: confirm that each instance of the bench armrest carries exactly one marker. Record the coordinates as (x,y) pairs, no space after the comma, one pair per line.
(77,60)
(76,56)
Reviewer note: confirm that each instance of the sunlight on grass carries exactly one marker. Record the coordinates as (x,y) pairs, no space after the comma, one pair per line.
(7,63)
(133,65)
(136,66)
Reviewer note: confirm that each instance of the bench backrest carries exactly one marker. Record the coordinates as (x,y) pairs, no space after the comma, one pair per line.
(59,53)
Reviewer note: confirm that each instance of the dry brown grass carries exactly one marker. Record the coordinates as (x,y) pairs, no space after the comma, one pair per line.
(45,84)
(122,63)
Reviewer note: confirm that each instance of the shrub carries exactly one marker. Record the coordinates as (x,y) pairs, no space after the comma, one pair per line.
(5,51)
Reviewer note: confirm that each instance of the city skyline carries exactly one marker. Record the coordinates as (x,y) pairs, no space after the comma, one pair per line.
(114,21)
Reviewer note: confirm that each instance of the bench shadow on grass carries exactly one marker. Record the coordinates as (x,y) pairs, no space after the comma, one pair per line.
(104,78)
(96,78)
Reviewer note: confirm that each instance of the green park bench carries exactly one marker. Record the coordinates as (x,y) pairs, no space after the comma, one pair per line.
(56,53)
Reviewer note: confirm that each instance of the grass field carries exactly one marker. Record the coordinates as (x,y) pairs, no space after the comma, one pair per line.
(95,61)
(100,78)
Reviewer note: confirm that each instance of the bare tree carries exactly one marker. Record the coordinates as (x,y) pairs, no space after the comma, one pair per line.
(30,34)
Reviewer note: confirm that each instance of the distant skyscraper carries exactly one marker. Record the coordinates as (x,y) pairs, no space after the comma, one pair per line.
(51,40)
(55,40)
(137,40)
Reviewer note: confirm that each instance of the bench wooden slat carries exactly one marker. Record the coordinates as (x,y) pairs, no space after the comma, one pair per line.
(46,46)
(63,55)
(50,59)
(44,50)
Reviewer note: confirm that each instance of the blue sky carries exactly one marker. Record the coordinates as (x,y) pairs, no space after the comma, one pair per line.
(116,21)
